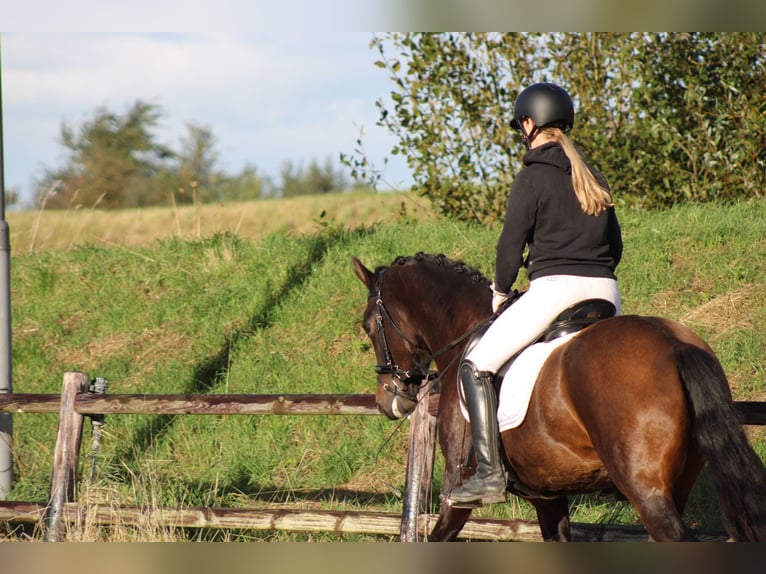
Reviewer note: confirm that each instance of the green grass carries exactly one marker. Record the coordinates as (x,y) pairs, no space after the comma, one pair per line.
(281,314)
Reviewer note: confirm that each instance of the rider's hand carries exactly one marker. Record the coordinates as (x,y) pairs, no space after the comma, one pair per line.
(498,298)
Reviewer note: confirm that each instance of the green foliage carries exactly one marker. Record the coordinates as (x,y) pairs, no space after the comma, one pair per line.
(194,178)
(453,99)
(668,118)
(110,159)
(245,186)
(704,115)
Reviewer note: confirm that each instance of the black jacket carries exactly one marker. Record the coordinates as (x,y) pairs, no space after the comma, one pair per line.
(544,213)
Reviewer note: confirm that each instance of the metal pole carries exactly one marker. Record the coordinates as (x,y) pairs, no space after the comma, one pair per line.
(6,419)
(98,386)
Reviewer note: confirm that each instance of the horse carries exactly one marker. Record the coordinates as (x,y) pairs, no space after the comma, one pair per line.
(633,405)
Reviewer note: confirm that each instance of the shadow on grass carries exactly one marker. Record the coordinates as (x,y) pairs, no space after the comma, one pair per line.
(212,368)
(244,490)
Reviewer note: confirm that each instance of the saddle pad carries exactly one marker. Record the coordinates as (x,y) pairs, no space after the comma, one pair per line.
(518,383)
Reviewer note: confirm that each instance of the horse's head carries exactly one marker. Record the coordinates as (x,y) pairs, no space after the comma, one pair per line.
(420,310)
(402,357)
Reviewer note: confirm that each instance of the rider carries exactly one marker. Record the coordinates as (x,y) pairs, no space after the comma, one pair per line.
(562,210)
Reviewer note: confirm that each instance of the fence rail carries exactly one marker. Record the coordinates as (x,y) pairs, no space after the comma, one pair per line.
(753,412)
(291,520)
(195,404)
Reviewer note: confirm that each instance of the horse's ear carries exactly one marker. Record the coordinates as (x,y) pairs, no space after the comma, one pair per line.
(365,275)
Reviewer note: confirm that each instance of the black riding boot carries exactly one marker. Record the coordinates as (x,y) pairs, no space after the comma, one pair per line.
(488,484)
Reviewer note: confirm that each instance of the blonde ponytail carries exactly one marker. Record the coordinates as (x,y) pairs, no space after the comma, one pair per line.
(593,196)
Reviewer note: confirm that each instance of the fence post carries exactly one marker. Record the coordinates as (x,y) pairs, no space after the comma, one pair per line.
(67,453)
(420,468)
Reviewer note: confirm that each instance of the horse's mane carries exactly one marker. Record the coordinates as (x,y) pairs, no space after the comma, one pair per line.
(445,262)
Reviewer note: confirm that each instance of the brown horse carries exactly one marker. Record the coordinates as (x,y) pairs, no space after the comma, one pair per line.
(633,404)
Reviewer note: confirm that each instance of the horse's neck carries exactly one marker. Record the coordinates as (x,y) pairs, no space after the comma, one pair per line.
(441,326)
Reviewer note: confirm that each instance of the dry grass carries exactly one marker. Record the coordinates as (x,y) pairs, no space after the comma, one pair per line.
(33,231)
(726,312)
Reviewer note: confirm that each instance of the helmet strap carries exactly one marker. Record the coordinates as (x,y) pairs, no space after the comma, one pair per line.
(527,138)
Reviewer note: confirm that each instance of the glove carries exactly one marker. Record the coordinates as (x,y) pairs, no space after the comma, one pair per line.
(499,299)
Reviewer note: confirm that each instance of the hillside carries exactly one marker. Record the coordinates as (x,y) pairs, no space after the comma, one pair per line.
(258,306)
(63,229)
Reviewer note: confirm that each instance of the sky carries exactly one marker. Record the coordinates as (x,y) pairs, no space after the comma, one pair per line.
(291,80)
(267,97)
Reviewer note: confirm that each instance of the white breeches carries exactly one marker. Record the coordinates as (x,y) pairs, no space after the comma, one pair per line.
(529,316)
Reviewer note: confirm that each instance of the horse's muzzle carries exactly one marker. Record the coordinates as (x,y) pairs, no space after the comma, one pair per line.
(395,405)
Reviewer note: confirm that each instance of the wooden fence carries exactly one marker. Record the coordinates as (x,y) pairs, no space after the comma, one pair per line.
(412,525)
(75,402)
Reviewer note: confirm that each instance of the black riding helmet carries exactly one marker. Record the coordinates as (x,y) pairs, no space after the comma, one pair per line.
(547,104)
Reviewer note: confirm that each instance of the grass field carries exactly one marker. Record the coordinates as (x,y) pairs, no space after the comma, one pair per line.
(262,298)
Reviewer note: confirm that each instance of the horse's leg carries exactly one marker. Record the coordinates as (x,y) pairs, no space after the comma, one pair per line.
(653,477)
(660,501)
(661,518)
(553,517)
(651,474)
(450,522)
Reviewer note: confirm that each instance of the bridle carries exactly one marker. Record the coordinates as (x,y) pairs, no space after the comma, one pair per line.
(401,379)
(418,375)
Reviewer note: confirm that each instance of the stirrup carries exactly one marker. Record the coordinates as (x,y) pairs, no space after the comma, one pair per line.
(479,502)
(488,496)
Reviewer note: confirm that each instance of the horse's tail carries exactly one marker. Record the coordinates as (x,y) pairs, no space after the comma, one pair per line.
(738,473)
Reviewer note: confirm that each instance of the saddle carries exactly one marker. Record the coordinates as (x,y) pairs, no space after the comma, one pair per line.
(570,320)
(577,317)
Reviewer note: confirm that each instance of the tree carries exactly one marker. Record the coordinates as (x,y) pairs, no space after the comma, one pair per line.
(667,117)
(245,186)
(195,175)
(705,114)
(111,158)
(316,179)
(451,106)
(115,161)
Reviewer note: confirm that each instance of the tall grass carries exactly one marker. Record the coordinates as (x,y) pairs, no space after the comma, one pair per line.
(45,230)
(280,313)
